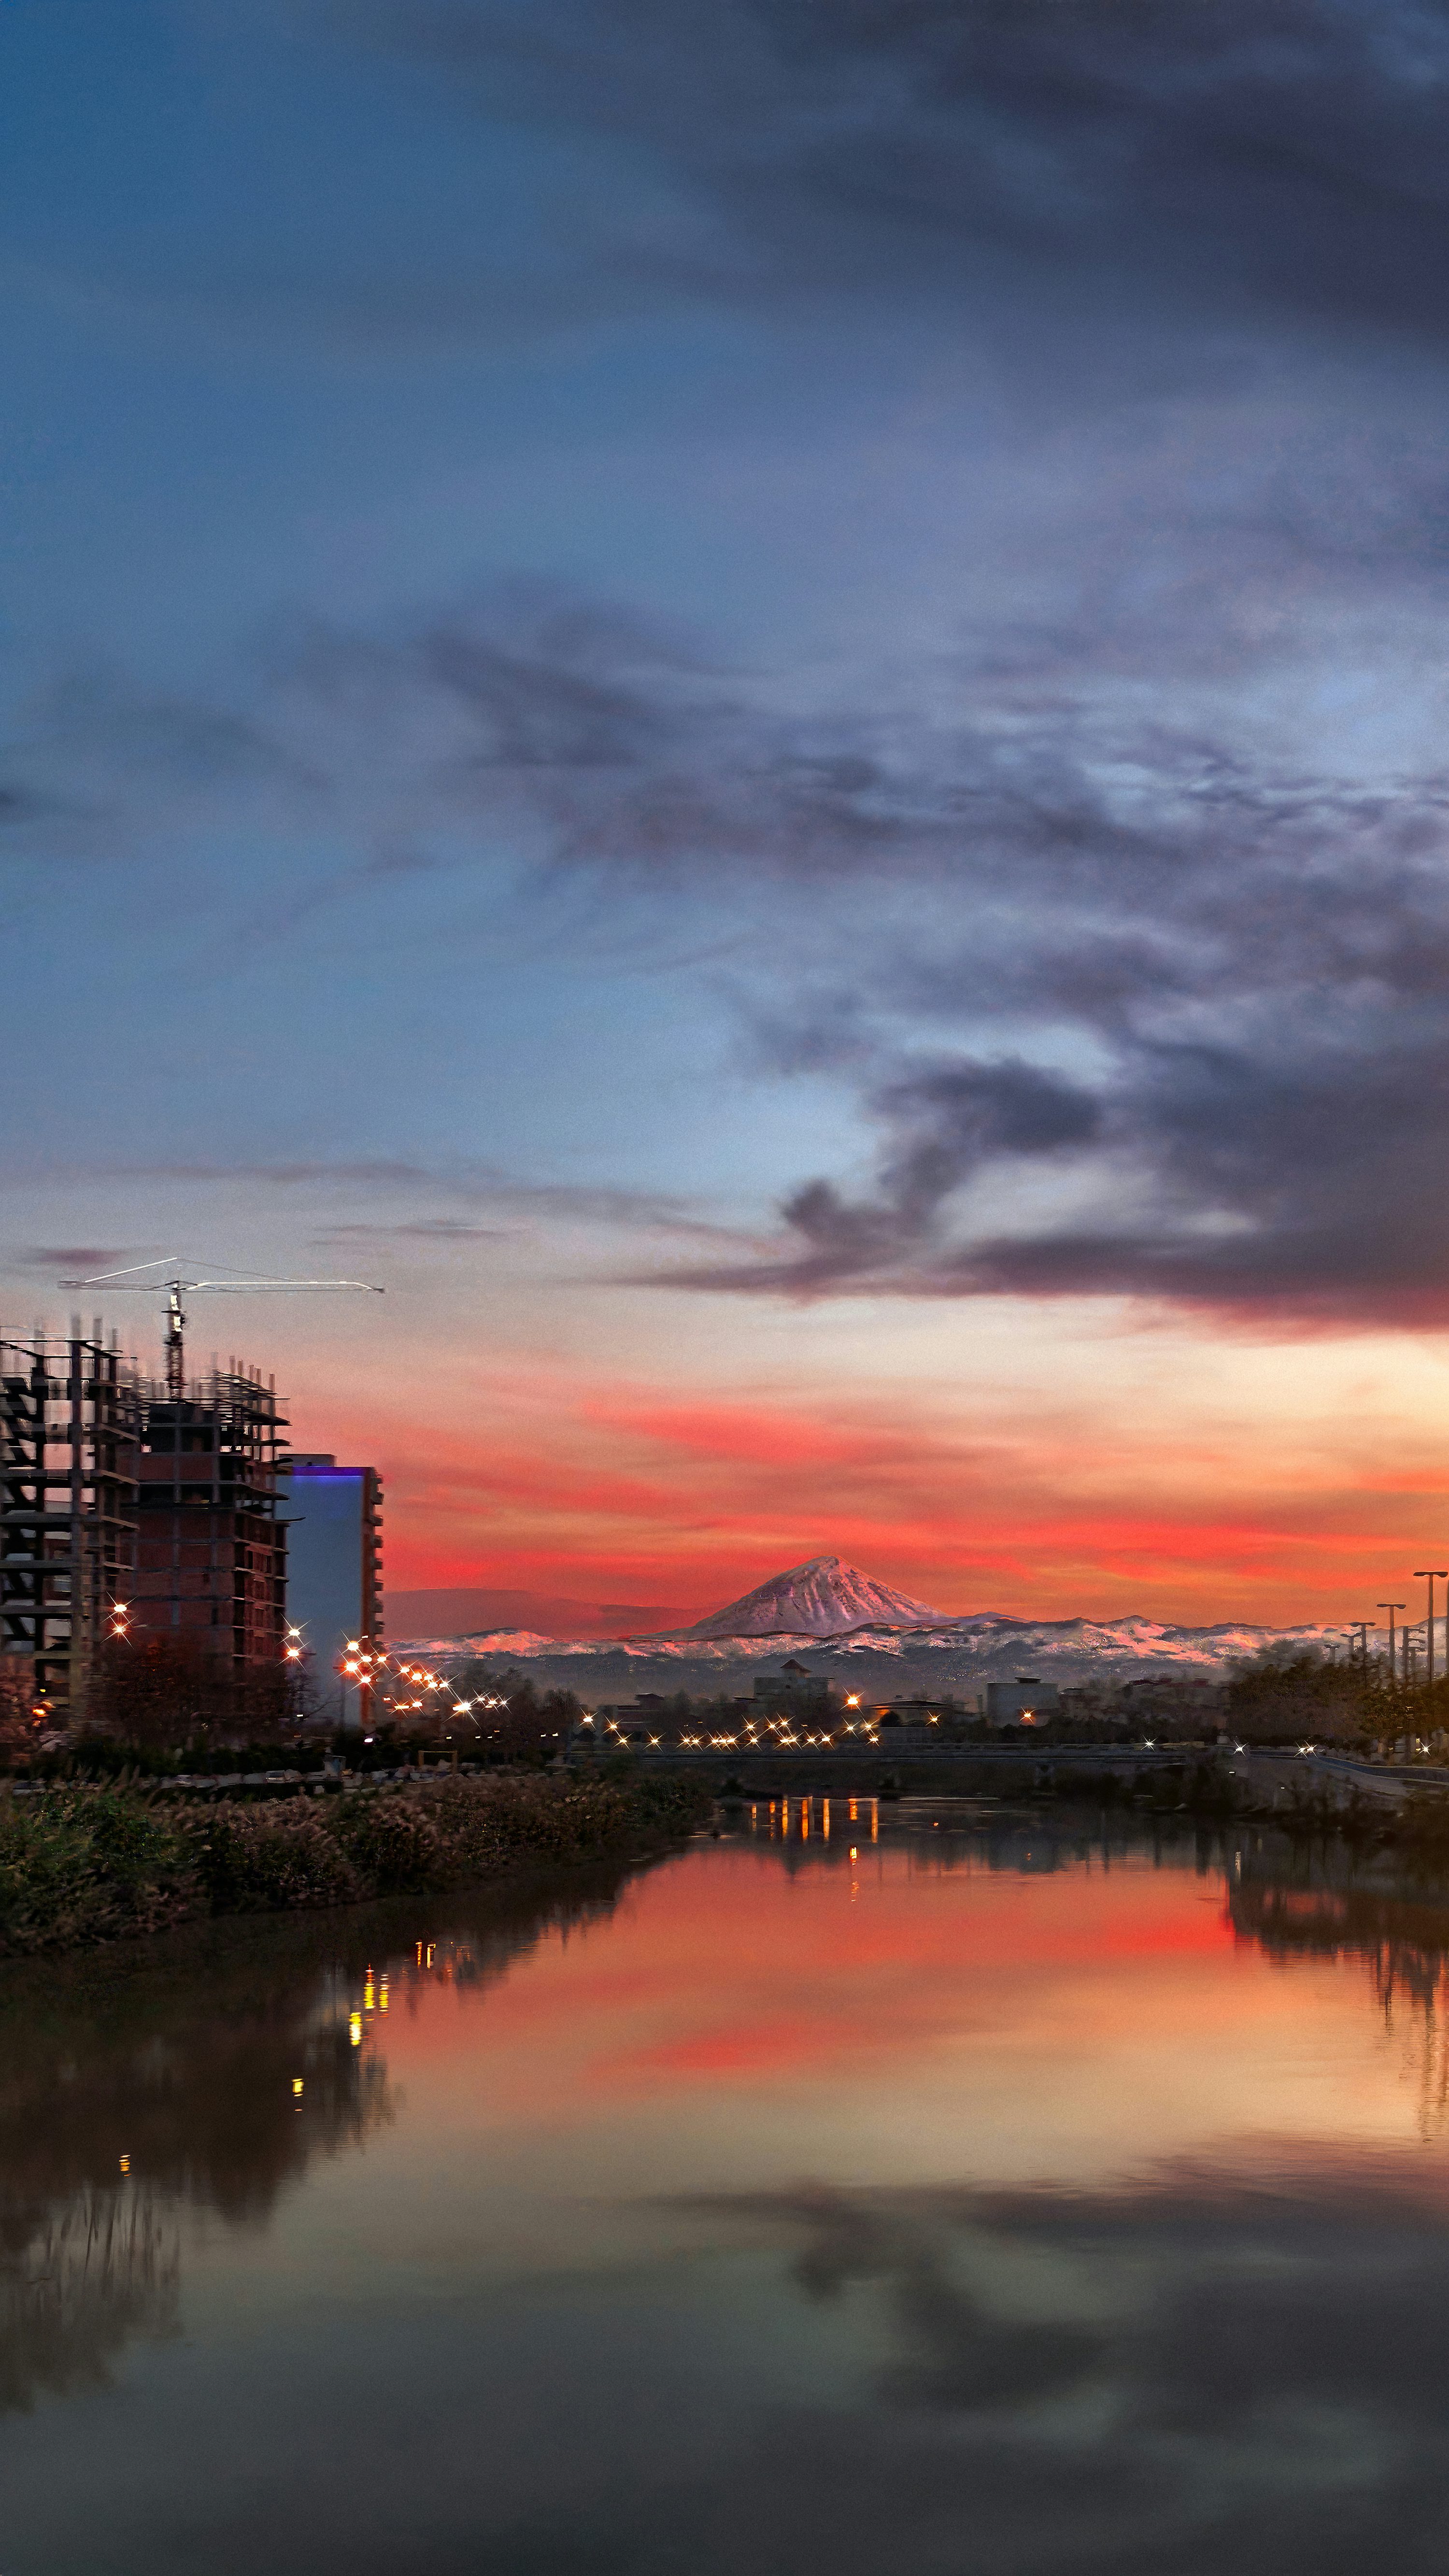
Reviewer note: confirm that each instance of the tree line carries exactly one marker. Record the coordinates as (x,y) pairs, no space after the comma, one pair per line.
(1284,1692)
(157,1694)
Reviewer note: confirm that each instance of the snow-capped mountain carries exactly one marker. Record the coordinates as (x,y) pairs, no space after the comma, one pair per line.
(821,1598)
(869,1636)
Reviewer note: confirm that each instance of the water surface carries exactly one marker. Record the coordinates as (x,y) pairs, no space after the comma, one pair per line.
(922,2187)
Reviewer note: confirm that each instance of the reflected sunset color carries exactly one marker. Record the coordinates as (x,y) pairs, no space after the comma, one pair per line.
(897,2144)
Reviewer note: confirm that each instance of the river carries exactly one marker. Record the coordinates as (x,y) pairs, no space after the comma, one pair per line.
(922,2186)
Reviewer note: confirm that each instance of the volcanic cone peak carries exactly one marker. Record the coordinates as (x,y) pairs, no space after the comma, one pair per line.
(821,1598)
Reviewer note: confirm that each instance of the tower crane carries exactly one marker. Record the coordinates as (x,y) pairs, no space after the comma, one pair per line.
(178,1284)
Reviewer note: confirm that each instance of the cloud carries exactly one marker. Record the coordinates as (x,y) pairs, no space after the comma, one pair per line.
(1275,1174)
(1289,161)
(68,1257)
(427,1229)
(947,1121)
(475,1184)
(1017,161)
(1234,995)
(1244,1180)
(1134,1007)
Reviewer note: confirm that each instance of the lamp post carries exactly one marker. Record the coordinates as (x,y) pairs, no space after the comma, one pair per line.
(1359,1628)
(1391,1607)
(1430,1574)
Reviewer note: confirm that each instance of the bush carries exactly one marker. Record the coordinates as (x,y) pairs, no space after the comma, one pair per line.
(389,1843)
(277,1854)
(82,1863)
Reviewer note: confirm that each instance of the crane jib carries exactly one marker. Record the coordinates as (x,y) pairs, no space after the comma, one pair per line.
(177,1285)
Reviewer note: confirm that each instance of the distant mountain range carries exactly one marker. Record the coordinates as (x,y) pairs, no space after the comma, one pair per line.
(837,1619)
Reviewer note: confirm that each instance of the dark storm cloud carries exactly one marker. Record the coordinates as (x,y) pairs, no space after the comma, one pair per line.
(1287,156)
(1244,974)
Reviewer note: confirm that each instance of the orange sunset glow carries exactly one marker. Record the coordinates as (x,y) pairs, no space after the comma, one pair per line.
(939,2023)
(1109,1468)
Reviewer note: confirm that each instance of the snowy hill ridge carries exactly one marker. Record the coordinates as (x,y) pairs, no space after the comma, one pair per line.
(866,1632)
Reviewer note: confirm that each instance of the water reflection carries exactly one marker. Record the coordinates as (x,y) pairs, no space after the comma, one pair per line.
(955,1833)
(1327,1903)
(77,2281)
(1204,2370)
(203,2073)
(1324,1900)
(1123,2253)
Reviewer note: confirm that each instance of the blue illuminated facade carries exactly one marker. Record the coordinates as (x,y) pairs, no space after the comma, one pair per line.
(334,1575)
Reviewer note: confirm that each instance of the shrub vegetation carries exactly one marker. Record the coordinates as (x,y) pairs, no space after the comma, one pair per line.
(84,1863)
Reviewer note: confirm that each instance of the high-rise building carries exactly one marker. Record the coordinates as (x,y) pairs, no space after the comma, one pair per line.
(334,1573)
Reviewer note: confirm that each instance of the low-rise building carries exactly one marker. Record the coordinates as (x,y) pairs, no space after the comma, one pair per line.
(1023,1702)
(794,1691)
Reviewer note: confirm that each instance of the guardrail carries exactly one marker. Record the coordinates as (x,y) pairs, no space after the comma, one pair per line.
(1387,1782)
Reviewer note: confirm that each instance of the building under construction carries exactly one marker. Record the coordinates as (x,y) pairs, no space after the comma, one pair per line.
(130,1506)
(71,1414)
(211,1554)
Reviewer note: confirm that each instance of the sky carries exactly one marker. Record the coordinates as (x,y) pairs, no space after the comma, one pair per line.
(751,701)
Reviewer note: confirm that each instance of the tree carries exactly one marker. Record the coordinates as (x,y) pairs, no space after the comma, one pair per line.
(523,1724)
(1280,1694)
(157,1690)
(17,1705)
(160,1690)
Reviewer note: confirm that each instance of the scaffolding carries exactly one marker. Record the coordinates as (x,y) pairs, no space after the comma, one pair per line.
(211,1556)
(70,1425)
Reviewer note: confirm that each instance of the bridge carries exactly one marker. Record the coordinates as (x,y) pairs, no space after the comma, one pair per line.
(961,1768)
(1269,1775)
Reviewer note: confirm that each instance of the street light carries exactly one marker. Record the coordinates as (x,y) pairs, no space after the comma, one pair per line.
(1391,1607)
(1430,1574)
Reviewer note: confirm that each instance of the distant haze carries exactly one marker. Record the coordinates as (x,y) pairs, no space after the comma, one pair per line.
(453,1613)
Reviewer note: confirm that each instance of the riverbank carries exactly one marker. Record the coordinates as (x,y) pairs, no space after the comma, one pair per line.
(82,1865)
